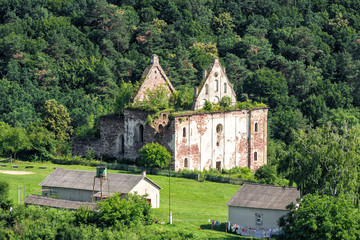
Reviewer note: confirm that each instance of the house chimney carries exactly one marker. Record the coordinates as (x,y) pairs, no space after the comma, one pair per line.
(143,173)
(155,59)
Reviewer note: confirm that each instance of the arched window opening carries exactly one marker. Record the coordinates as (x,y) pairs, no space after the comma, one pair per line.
(255,156)
(216,100)
(161,129)
(206,88)
(186,163)
(139,133)
(219,128)
(225,88)
(184,132)
(122,149)
(216,85)
(256,127)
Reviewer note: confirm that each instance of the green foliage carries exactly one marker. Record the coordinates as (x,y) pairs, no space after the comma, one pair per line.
(225,102)
(208,106)
(182,99)
(4,195)
(154,155)
(90,154)
(133,210)
(123,97)
(323,160)
(12,140)
(154,100)
(322,217)
(57,120)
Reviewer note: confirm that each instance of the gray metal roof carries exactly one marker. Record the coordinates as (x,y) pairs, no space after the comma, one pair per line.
(264,196)
(84,180)
(56,203)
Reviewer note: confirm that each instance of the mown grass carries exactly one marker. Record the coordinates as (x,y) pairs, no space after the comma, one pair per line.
(192,203)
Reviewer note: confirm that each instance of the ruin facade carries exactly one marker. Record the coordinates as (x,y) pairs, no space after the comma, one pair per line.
(196,139)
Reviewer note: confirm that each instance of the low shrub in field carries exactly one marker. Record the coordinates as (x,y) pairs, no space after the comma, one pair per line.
(154,155)
(133,210)
(117,218)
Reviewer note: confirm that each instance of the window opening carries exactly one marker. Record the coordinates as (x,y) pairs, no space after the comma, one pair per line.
(224,87)
(186,163)
(216,85)
(256,127)
(206,88)
(122,144)
(219,128)
(139,131)
(184,132)
(161,129)
(218,166)
(255,156)
(259,218)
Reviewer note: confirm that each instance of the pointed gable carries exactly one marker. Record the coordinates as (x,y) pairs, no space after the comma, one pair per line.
(153,77)
(214,86)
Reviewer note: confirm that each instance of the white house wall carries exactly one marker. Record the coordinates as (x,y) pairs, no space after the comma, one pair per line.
(246,217)
(145,187)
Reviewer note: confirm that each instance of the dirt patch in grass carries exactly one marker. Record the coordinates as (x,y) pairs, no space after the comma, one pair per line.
(16,172)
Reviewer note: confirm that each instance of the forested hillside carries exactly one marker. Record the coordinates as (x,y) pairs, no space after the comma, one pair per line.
(299,57)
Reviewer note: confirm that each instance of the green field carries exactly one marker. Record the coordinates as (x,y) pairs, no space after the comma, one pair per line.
(191,202)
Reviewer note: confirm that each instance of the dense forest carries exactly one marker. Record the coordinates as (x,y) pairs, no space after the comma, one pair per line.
(64,62)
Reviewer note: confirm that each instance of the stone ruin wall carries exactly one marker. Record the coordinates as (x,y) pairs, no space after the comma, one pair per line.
(204,145)
(109,144)
(152,133)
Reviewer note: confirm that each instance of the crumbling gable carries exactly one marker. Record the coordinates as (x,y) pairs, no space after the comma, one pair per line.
(152,78)
(214,86)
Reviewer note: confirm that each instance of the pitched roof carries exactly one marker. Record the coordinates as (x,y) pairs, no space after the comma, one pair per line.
(207,73)
(56,203)
(144,77)
(77,179)
(264,196)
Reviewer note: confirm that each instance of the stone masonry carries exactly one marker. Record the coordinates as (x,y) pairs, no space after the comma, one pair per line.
(196,139)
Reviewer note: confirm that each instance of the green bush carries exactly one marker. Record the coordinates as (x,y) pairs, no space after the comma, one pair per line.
(225,102)
(132,210)
(154,155)
(4,195)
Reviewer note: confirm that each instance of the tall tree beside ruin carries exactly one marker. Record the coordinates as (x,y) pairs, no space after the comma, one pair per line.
(57,120)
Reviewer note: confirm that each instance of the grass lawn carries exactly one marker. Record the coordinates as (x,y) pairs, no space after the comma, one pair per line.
(192,203)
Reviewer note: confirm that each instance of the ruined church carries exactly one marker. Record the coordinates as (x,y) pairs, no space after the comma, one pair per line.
(196,139)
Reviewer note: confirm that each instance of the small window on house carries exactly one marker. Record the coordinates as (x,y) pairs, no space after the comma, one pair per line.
(206,88)
(259,218)
(216,74)
(218,143)
(219,128)
(216,85)
(184,132)
(256,127)
(225,88)
(216,100)
(186,163)
(255,156)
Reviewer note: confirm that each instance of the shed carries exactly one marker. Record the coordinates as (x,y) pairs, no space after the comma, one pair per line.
(57,203)
(260,206)
(77,185)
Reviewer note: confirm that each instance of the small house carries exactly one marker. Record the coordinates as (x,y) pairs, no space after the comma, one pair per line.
(83,186)
(260,206)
